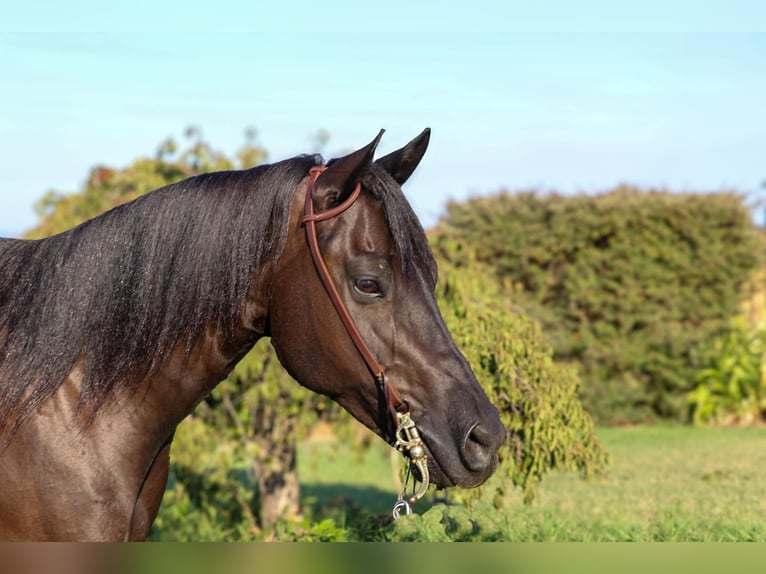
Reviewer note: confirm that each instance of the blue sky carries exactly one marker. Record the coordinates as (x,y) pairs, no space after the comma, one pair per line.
(568,96)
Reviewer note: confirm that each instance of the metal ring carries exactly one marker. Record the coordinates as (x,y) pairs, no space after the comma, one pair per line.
(401,504)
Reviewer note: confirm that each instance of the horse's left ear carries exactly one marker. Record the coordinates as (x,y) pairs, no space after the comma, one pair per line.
(401,163)
(339,180)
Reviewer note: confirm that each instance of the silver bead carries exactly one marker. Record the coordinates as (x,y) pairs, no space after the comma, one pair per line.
(417,451)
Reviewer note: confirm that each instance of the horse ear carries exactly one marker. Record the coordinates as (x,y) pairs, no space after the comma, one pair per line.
(339,180)
(401,163)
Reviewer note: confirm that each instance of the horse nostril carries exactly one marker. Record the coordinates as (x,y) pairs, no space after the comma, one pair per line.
(480,448)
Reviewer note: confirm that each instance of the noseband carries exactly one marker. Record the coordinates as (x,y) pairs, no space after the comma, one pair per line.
(408,440)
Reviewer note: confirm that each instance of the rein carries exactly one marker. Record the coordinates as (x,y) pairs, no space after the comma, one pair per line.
(408,440)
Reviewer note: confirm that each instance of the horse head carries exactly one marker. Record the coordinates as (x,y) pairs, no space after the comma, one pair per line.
(377,260)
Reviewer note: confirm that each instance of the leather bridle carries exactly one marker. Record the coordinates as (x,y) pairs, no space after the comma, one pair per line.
(394,402)
(406,436)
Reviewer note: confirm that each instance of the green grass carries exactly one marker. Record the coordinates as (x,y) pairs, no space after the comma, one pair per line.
(333,474)
(664,484)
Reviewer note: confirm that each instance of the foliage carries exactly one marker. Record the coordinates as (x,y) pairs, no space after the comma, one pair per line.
(537,398)
(626,284)
(731,386)
(260,413)
(107,187)
(209,495)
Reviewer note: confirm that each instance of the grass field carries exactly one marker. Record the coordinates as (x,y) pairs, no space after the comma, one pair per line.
(664,484)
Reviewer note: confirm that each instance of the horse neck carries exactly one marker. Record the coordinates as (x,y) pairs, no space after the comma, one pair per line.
(182,381)
(194,368)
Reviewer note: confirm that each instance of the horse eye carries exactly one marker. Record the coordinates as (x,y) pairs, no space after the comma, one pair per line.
(368,286)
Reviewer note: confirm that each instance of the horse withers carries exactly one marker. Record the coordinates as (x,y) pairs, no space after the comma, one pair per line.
(112,332)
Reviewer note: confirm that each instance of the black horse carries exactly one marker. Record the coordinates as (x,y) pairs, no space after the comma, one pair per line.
(112,332)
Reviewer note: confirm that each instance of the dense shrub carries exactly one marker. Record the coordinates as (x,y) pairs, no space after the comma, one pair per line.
(627,284)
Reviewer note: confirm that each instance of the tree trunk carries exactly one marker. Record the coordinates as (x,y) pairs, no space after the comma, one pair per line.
(278,486)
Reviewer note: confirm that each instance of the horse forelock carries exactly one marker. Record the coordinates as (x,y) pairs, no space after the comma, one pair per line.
(409,237)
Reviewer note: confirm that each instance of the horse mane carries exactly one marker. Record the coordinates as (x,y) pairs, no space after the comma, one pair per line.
(122,290)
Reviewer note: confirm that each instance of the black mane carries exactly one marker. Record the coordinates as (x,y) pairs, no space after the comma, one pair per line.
(123,289)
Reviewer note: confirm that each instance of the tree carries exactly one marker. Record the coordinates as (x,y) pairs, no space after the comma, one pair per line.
(107,187)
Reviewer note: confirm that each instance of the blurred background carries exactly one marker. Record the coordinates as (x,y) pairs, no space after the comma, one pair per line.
(593,193)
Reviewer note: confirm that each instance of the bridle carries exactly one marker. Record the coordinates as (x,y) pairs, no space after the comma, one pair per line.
(394,402)
(408,440)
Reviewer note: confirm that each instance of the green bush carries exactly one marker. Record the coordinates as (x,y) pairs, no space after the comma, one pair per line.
(731,387)
(627,284)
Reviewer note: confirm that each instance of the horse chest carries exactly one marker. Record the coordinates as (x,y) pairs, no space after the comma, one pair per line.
(66,482)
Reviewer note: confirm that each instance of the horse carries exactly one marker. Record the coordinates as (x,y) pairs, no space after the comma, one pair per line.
(112,332)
